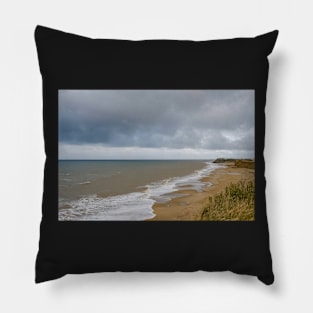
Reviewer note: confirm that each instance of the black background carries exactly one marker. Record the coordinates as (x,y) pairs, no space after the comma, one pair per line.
(73,62)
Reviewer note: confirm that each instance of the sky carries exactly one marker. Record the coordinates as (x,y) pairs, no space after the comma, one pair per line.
(156,124)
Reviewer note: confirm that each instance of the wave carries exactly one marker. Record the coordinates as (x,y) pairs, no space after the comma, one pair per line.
(135,206)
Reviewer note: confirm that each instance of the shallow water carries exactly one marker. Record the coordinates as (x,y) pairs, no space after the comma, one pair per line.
(124,190)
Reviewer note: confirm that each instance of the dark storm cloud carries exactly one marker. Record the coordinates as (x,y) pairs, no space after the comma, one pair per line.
(197,119)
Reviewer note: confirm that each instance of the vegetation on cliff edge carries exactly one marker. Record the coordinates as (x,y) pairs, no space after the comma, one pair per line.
(235,203)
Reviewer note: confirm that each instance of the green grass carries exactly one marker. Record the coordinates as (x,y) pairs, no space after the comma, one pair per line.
(235,203)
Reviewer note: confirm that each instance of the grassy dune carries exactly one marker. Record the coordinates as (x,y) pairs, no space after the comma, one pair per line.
(235,203)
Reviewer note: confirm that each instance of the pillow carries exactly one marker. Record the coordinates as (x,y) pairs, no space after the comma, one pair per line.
(154,155)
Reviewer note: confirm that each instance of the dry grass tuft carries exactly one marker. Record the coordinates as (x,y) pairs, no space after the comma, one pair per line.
(235,203)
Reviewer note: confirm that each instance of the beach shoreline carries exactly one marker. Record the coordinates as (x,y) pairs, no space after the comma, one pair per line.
(188,205)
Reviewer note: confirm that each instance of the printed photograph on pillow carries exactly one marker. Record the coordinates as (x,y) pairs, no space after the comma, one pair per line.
(156,155)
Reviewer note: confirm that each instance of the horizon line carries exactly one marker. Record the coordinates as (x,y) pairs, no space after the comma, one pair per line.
(133,159)
(204,159)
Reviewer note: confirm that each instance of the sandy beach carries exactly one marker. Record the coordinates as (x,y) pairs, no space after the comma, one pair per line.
(190,205)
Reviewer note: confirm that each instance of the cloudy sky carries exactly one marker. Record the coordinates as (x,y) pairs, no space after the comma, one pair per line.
(156,124)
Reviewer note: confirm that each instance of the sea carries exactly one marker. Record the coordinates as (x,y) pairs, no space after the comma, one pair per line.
(124,190)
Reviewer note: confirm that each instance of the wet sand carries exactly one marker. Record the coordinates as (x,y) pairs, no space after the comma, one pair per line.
(189,206)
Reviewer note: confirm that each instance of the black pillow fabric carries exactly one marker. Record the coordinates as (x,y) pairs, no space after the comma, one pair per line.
(132,132)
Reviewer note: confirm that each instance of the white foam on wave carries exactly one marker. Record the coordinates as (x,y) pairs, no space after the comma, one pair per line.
(162,191)
(135,206)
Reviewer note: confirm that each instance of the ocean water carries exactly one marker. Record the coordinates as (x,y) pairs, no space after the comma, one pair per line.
(124,190)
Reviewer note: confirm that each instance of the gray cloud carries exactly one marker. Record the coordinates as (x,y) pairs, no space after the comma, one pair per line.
(174,119)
